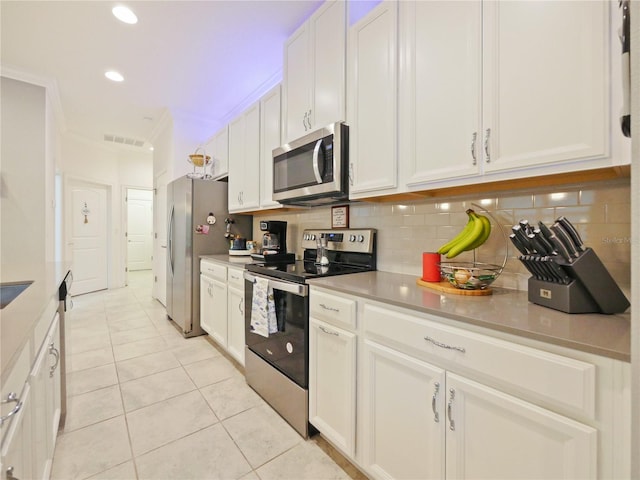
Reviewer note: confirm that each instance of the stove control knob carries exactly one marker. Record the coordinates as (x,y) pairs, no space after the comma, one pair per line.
(305,236)
(361,238)
(312,236)
(352,238)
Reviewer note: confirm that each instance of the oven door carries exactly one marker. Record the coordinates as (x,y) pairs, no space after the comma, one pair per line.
(288,348)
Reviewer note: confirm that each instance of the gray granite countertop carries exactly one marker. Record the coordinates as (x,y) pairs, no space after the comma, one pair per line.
(18,319)
(229,260)
(506,311)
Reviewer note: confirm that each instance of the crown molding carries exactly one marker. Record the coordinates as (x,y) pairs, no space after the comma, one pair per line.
(48,83)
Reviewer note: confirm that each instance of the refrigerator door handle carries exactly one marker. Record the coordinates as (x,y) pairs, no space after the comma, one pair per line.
(170,238)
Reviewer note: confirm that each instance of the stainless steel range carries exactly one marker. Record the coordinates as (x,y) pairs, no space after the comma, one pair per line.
(277,316)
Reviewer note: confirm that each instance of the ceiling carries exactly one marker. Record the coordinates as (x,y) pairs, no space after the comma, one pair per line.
(197,59)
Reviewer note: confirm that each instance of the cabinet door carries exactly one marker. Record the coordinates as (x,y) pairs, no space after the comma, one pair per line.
(244,161)
(40,410)
(296,84)
(218,316)
(546,81)
(494,435)
(372,101)
(54,393)
(16,459)
(328,35)
(235,327)
(403,415)
(270,127)
(220,153)
(440,90)
(206,300)
(250,198)
(236,163)
(332,383)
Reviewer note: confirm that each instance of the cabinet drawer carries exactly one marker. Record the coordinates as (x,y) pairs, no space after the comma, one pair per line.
(541,375)
(214,270)
(235,278)
(332,308)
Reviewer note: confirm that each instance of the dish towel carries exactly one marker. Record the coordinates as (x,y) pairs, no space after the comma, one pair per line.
(263,309)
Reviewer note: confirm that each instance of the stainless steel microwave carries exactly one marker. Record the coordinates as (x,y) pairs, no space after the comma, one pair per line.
(313,170)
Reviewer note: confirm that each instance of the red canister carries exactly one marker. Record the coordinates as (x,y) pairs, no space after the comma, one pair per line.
(431,266)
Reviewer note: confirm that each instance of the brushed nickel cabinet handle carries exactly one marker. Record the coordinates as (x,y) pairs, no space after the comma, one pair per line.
(486,145)
(56,353)
(328,331)
(474,137)
(444,345)
(436,415)
(452,394)
(12,397)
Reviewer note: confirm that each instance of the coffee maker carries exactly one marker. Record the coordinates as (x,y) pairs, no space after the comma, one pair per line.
(274,243)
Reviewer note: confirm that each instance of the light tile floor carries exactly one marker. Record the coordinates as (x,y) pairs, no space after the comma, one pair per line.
(146,403)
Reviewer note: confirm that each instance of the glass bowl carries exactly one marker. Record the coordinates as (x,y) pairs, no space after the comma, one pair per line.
(470,275)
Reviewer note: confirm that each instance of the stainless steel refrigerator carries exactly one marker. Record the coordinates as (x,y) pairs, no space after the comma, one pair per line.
(190,203)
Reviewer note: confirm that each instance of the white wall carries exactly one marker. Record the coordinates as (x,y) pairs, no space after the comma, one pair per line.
(116,168)
(26,200)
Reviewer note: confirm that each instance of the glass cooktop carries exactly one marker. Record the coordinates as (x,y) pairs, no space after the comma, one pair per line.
(301,270)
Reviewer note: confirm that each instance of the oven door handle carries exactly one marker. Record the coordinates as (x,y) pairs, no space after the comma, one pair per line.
(298,289)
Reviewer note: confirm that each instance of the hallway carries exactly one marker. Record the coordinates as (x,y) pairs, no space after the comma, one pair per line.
(145,403)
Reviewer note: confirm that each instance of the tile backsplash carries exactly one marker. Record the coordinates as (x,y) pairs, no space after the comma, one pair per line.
(601,212)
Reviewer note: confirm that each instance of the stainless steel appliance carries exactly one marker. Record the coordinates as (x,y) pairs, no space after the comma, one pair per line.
(197,225)
(313,170)
(277,365)
(274,243)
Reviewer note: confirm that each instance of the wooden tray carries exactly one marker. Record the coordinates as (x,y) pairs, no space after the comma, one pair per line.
(445,286)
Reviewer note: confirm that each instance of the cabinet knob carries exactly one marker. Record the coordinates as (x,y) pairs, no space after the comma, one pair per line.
(9,474)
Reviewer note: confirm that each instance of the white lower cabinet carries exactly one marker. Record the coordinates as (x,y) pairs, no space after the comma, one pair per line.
(222,306)
(31,404)
(213,301)
(235,314)
(410,395)
(423,422)
(332,383)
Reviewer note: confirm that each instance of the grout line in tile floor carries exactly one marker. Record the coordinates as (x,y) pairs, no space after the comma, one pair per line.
(157,426)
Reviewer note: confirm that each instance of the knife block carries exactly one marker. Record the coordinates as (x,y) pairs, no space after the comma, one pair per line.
(592,290)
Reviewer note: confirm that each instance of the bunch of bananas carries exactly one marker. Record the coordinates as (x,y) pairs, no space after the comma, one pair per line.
(474,234)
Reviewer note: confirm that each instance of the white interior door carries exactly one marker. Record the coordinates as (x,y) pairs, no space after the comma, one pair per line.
(160,239)
(87,219)
(139,229)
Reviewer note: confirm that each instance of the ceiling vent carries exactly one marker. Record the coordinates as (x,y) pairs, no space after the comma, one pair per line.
(123,140)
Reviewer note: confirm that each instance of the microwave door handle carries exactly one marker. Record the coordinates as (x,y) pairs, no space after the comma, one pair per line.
(316,167)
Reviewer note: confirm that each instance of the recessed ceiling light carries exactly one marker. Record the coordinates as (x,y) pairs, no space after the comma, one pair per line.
(124,14)
(113,75)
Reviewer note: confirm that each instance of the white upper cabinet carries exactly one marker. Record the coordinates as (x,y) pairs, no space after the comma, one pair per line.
(314,72)
(270,130)
(486,91)
(441,90)
(372,109)
(218,149)
(244,161)
(546,83)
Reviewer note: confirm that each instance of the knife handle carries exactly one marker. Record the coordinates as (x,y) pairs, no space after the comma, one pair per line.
(545,230)
(560,248)
(538,244)
(516,242)
(571,230)
(566,239)
(522,236)
(542,239)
